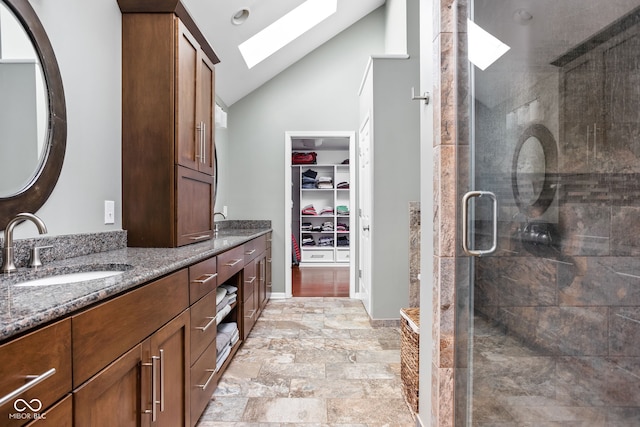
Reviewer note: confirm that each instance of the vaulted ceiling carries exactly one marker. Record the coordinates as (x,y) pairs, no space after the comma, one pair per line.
(233,79)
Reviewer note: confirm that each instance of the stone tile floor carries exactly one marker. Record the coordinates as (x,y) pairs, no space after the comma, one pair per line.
(312,362)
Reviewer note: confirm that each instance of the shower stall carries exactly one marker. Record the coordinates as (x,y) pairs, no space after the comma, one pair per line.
(548,272)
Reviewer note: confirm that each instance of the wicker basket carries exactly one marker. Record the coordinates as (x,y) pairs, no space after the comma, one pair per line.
(410,356)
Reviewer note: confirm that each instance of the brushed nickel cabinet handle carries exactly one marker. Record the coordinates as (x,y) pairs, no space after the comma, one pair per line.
(203,236)
(251,252)
(212,320)
(251,280)
(231,264)
(206,383)
(154,393)
(35,380)
(161,380)
(208,277)
(204,142)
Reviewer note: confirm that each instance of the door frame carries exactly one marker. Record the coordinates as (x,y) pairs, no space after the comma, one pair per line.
(288,137)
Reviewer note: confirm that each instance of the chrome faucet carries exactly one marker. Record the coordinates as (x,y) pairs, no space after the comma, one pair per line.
(8,264)
(215,225)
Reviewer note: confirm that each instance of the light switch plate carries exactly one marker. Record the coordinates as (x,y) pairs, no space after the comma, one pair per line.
(109,212)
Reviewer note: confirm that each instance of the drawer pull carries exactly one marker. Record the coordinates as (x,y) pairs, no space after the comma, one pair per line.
(204,236)
(208,277)
(35,381)
(269,260)
(161,380)
(212,320)
(250,281)
(231,264)
(317,256)
(251,315)
(206,384)
(251,252)
(154,396)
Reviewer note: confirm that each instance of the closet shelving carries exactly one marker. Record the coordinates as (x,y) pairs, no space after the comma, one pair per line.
(322,201)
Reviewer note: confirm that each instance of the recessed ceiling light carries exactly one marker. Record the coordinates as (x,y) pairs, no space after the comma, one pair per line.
(522,16)
(286,29)
(240,17)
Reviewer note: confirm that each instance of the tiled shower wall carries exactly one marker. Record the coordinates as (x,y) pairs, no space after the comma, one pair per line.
(450,149)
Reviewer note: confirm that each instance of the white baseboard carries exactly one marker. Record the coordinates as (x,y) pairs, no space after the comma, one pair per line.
(279,295)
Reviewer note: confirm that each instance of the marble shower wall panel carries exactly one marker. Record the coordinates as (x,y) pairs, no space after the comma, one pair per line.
(414,254)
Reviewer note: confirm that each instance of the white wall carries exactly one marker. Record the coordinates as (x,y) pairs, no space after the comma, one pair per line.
(86,38)
(318,93)
(396,26)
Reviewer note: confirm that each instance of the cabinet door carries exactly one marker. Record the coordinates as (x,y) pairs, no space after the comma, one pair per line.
(261,286)
(59,415)
(188,141)
(195,100)
(249,298)
(205,113)
(115,395)
(169,346)
(194,206)
(268,270)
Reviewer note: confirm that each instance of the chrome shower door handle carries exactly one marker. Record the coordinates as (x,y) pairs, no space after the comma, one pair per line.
(465,223)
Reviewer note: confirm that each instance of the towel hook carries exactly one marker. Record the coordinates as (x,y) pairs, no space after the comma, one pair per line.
(424,97)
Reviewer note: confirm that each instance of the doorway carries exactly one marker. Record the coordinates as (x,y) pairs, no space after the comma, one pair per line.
(320,184)
(550,331)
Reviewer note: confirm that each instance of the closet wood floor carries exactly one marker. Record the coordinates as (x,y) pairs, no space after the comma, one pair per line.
(320,281)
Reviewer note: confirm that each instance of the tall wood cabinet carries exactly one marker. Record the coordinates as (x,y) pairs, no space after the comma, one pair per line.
(168,100)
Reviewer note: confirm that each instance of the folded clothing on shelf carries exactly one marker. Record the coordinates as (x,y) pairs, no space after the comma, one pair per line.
(342,227)
(343,185)
(309,210)
(342,210)
(328,210)
(325,182)
(343,241)
(325,241)
(307,240)
(299,158)
(327,226)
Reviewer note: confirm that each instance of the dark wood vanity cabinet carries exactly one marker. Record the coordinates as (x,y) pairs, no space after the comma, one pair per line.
(168,104)
(45,354)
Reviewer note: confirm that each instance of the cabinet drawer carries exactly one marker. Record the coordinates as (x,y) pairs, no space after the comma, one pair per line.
(131,318)
(317,255)
(249,280)
(194,201)
(59,415)
(202,381)
(203,324)
(230,262)
(254,247)
(249,313)
(37,353)
(342,255)
(203,278)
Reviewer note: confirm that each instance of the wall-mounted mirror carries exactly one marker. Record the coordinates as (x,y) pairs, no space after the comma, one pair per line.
(535,164)
(33,128)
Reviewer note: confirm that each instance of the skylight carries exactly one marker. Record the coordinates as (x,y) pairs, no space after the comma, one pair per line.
(484,49)
(286,29)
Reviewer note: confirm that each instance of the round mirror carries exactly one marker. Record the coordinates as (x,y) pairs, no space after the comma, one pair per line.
(32,112)
(533,171)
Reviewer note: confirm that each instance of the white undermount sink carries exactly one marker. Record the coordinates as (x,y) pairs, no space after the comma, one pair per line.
(61,279)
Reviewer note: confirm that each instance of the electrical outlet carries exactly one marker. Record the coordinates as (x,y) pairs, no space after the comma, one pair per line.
(109,212)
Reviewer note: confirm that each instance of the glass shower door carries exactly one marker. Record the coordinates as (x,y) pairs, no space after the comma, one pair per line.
(550,333)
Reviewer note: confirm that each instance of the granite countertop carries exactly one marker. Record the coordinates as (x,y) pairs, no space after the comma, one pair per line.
(24,308)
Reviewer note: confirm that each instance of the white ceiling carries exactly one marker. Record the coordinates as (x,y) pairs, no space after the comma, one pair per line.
(233,79)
